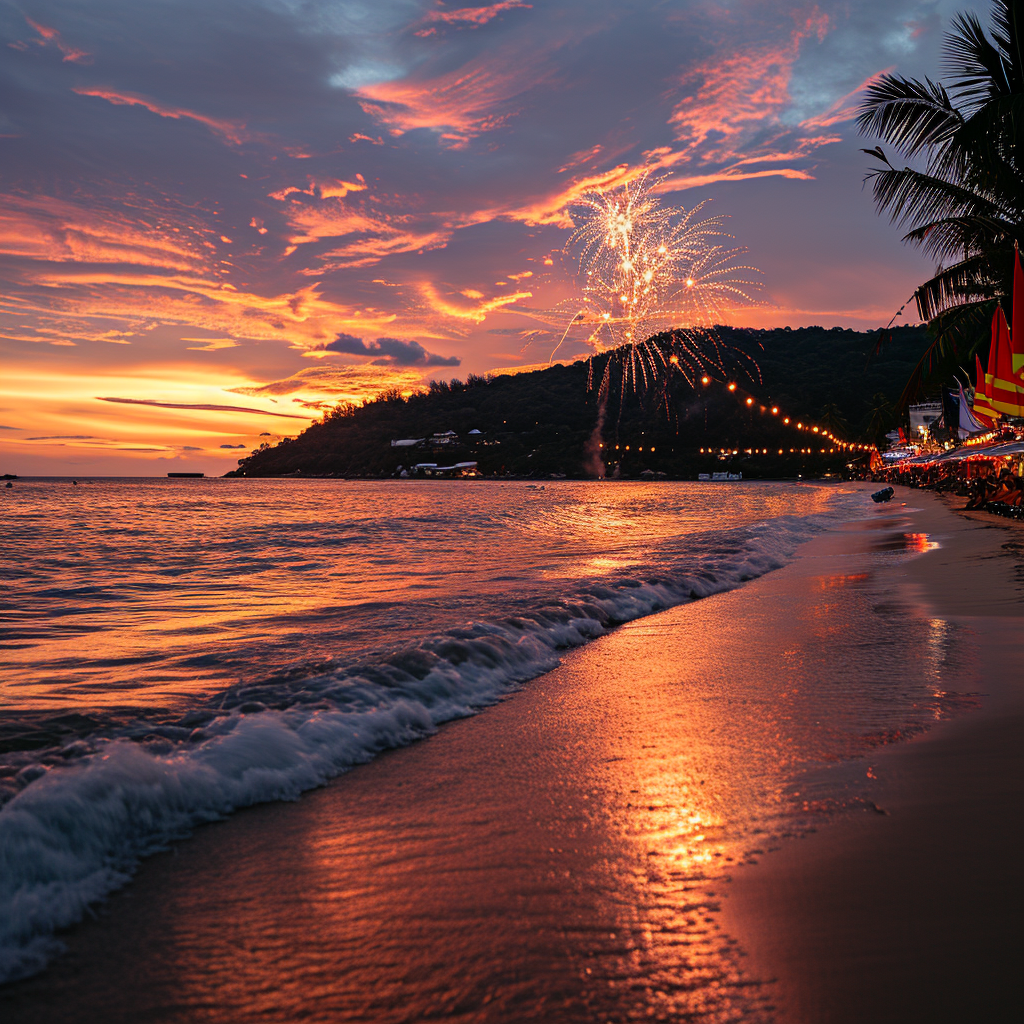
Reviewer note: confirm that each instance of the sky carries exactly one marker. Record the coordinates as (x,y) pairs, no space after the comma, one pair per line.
(220,217)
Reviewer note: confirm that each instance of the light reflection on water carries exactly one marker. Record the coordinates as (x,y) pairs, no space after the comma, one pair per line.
(561,857)
(154,591)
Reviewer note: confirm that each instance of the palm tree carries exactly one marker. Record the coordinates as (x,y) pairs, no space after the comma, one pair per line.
(966,207)
(881,416)
(832,419)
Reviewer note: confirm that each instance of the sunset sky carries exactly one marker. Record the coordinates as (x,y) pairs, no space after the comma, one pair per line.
(217,216)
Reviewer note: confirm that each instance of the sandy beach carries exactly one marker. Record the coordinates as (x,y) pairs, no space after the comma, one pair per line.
(713,813)
(911,915)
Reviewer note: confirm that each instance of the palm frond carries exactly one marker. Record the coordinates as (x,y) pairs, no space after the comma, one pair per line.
(961,234)
(912,115)
(960,286)
(956,336)
(917,198)
(977,65)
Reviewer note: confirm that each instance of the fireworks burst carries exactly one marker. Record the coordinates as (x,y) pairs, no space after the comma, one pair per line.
(646,269)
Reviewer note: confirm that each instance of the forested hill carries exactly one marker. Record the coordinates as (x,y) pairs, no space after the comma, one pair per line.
(542,423)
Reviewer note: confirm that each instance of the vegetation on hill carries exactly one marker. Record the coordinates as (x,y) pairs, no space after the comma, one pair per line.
(549,421)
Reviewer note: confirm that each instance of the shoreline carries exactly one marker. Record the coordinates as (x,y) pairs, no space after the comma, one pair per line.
(910,914)
(563,855)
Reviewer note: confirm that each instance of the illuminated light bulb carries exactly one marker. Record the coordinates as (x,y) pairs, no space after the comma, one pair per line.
(780,451)
(799,426)
(705,380)
(607,316)
(732,387)
(815,429)
(775,410)
(689,282)
(648,274)
(750,401)
(674,360)
(786,420)
(652,448)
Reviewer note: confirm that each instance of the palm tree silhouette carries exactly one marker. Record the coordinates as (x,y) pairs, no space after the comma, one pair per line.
(966,207)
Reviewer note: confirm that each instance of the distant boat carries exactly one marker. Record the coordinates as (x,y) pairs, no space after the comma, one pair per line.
(719,477)
(9,476)
(186,474)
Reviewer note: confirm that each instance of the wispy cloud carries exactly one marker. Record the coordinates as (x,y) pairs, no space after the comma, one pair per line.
(468,17)
(231,131)
(201,407)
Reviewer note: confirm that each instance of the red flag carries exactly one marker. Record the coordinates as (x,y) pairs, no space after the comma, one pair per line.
(1005,396)
(1017,335)
(980,406)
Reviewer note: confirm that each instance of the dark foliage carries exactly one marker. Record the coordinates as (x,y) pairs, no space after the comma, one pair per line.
(966,205)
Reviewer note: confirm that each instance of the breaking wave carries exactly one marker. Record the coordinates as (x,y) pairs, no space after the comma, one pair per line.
(79,816)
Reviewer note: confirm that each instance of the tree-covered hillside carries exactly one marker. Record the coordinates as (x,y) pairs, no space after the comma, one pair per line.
(550,422)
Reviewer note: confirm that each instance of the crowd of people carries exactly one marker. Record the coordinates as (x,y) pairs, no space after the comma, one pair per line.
(990,481)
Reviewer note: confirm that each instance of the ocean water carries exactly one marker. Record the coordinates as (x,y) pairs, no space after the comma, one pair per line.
(173,650)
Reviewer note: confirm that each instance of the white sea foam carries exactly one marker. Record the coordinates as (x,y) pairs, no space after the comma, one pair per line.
(73,834)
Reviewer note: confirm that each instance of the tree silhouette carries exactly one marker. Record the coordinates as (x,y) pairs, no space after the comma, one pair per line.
(966,206)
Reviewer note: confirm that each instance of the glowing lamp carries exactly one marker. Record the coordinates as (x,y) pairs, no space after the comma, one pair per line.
(674,360)
(705,380)
(750,401)
(689,282)
(775,410)
(732,387)
(786,420)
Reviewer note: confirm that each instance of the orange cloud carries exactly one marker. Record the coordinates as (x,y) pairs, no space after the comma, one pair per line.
(737,96)
(45,228)
(473,17)
(233,131)
(51,35)
(348,382)
(464,102)
(476,313)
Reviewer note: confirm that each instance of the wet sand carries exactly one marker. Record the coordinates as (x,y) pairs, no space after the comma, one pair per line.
(566,855)
(913,915)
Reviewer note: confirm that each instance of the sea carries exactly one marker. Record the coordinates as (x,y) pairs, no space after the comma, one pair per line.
(174,650)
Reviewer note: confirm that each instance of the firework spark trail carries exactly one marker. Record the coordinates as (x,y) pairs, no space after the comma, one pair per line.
(646,269)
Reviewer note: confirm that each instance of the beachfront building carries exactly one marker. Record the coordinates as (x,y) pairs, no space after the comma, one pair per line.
(922,416)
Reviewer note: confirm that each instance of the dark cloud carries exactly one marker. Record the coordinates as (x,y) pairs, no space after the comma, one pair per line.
(232,446)
(202,407)
(68,437)
(391,351)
